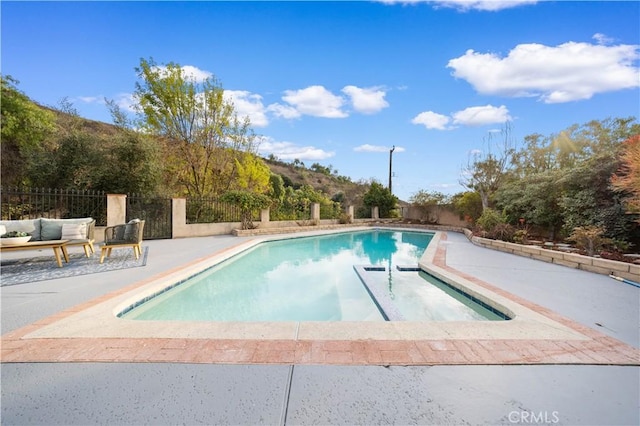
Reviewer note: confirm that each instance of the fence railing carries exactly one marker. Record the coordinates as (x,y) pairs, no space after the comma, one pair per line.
(330,210)
(212,210)
(31,203)
(282,212)
(362,212)
(155,210)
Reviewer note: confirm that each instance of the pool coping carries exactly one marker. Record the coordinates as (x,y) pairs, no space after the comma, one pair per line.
(91,333)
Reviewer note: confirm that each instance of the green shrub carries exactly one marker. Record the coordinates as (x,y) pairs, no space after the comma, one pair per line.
(503,231)
(589,238)
(521,236)
(344,218)
(489,219)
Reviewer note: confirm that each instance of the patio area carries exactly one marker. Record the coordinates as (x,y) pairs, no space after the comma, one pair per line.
(48,378)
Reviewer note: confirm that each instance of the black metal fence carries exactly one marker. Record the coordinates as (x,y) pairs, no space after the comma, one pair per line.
(155,211)
(286,211)
(330,210)
(362,212)
(212,210)
(31,203)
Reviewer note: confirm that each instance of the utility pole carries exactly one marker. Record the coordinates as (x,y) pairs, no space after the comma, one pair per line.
(390,166)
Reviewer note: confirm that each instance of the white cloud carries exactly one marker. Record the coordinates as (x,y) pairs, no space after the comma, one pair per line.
(444,185)
(248,104)
(283,111)
(366,100)
(481,115)
(127,102)
(465,5)
(432,120)
(316,101)
(568,72)
(91,99)
(472,116)
(188,71)
(376,148)
(602,39)
(371,148)
(292,151)
(195,73)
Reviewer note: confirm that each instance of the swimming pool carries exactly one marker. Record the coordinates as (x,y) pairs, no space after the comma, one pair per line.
(355,276)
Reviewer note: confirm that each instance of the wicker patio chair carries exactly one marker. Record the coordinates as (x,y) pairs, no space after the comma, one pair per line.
(124,235)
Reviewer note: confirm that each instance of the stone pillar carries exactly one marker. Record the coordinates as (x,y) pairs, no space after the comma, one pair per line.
(375,213)
(315,211)
(178,215)
(350,210)
(265,216)
(116,209)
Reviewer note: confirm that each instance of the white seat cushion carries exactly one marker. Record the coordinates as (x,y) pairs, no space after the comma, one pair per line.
(74,231)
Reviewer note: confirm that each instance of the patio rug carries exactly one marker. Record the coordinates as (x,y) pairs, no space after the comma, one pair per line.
(41,268)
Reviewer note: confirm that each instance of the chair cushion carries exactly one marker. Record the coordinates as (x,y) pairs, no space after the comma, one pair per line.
(74,231)
(30,226)
(131,230)
(52,228)
(3,229)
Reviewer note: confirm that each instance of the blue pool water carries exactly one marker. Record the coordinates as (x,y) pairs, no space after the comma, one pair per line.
(314,279)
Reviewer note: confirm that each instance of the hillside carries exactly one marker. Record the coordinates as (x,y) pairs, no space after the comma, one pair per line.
(293,175)
(331,185)
(57,148)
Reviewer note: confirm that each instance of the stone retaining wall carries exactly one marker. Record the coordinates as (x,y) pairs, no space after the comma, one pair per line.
(625,270)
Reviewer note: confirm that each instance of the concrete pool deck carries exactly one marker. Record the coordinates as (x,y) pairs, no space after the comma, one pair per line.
(600,315)
(92,333)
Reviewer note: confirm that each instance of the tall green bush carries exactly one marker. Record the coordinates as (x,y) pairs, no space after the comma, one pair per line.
(379,196)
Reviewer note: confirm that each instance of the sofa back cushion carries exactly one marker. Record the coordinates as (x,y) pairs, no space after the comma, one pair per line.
(51,229)
(30,226)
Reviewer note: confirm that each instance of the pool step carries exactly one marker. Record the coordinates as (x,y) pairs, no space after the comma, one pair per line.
(408,268)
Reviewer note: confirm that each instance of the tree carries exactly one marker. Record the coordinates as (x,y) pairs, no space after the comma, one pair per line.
(627,177)
(248,202)
(536,156)
(589,199)
(485,173)
(277,189)
(430,204)
(132,162)
(75,163)
(131,165)
(429,198)
(193,113)
(25,126)
(536,198)
(380,196)
(468,205)
(562,181)
(252,174)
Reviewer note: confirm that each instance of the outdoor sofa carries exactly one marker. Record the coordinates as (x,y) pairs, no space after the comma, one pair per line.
(78,232)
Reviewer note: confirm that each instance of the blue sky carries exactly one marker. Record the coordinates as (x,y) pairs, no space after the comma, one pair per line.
(340,83)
